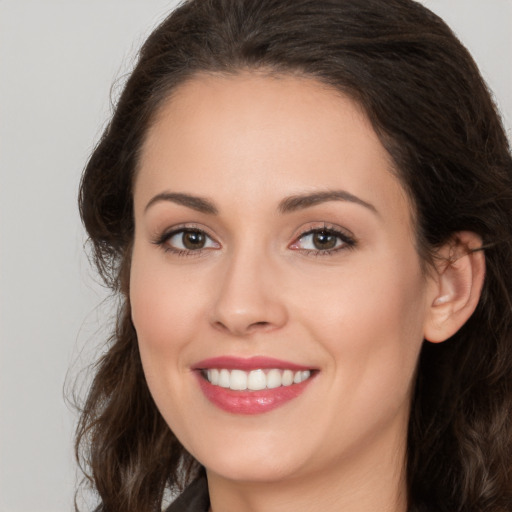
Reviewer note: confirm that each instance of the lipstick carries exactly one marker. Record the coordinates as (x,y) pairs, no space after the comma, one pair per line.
(251,386)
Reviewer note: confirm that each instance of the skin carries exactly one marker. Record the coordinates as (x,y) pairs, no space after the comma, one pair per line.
(358,315)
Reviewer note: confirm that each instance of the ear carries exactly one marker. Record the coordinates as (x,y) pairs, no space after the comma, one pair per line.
(456,286)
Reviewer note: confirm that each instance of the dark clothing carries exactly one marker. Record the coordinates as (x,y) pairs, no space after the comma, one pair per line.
(193,499)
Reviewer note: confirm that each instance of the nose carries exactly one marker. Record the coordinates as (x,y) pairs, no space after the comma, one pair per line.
(248,298)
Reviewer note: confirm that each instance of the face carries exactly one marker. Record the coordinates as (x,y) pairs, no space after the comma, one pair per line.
(276,292)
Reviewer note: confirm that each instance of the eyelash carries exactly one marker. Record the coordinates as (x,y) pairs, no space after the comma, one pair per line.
(163,239)
(346,241)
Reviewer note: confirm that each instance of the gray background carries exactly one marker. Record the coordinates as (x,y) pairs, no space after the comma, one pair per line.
(58,60)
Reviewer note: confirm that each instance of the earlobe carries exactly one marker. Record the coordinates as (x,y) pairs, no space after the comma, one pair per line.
(457,286)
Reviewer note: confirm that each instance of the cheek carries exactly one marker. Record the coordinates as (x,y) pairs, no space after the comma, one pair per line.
(370,320)
(164,305)
(165,316)
(387,295)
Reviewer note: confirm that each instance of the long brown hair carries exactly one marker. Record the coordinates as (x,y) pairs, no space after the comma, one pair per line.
(433,113)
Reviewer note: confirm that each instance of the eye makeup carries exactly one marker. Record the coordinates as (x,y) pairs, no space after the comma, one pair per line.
(324,240)
(315,240)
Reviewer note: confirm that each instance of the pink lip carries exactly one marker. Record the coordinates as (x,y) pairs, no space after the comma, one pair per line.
(247,364)
(249,402)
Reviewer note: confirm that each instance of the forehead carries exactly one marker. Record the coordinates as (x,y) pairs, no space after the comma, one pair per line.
(264,137)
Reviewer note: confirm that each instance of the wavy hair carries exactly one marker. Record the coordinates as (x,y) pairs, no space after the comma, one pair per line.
(433,113)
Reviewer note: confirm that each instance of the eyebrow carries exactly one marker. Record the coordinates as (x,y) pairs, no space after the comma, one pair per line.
(287,205)
(299,202)
(199,204)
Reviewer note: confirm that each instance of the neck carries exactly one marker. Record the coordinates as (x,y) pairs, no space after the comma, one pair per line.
(369,481)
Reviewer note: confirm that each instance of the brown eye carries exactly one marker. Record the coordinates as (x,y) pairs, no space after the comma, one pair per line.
(193,240)
(324,240)
(188,240)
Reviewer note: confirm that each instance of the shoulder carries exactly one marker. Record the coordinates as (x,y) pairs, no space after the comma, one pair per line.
(193,499)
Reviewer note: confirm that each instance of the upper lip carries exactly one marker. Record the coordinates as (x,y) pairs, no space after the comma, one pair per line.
(247,364)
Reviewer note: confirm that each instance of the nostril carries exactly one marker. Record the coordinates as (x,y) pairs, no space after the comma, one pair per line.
(243,329)
(220,326)
(259,325)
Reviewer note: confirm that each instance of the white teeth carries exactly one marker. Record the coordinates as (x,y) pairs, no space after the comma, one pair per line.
(274,379)
(287,378)
(255,380)
(304,375)
(301,376)
(213,376)
(224,378)
(238,380)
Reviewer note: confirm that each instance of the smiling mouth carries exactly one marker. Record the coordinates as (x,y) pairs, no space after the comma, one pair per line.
(254,380)
(252,385)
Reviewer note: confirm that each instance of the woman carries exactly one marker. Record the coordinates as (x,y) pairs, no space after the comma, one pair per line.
(306,208)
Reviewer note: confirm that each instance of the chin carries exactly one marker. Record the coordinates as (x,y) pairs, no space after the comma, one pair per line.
(256,471)
(252,462)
